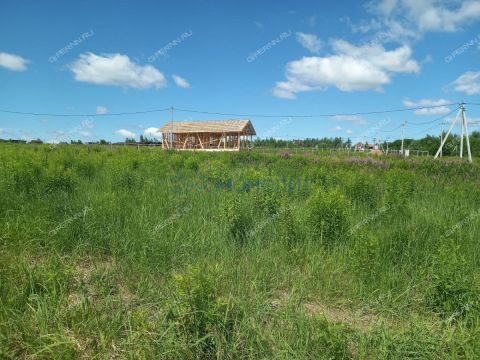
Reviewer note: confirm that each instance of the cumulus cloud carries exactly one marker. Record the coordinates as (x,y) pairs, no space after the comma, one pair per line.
(468,83)
(13,62)
(309,41)
(406,19)
(180,82)
(351,68)
(125,133)
(152,131)
(100,110)
(116,70)
(439,109)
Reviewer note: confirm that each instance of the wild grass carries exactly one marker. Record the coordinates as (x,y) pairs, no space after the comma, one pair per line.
(120,253)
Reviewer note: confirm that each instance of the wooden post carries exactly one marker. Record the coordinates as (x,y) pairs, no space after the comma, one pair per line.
(201,144)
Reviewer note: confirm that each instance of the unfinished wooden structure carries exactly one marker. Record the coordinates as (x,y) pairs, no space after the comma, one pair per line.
(214,135)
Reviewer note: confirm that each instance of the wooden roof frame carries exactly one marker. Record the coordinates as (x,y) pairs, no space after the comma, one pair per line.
(237,126)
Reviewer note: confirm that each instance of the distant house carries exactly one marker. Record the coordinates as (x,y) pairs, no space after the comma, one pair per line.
(359,146)
(214,135)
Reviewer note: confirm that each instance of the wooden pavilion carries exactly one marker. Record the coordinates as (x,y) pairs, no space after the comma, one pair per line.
(214,135)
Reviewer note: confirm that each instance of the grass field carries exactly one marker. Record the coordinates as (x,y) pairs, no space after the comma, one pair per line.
(120,253)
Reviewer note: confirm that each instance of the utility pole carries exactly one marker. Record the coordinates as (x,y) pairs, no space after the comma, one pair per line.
(171,129)
(463,131)
(441,140)
(403,133)
(465,122)
(461,115)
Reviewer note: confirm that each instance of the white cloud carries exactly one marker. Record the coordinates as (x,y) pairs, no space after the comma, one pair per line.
(125,133)
(152,131)
(468,83)
(180,82)
(352,68)
(410,19)
(100,110)
(1,131)
(351,118)
(13,62)
(441,108)
(117,70)
(341,129)
(309,41)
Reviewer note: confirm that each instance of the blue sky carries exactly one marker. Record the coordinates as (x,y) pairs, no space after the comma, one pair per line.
(244,57)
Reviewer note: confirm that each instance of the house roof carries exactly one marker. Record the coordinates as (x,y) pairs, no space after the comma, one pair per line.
(243,126)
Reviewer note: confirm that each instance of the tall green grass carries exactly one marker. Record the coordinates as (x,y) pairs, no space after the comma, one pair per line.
(119,253)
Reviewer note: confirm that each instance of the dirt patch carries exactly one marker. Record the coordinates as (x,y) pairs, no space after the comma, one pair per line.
(90,265)
(357,319)
(280,298)
(338,315)
(87,273)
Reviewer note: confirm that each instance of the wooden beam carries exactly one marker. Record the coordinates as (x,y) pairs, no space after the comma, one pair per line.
(220,142)
(201,144)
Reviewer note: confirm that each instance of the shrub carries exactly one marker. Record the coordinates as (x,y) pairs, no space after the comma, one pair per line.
(288,229)
(366,257)
(238,219)
(60,181)
(400,186)
(454,290)
(217,173)
(327,216)
(267,201)
(362,190)
(86,169)
(201,317)
(127,179)
(135,164)
(192,163)
(322,176)
(26,178)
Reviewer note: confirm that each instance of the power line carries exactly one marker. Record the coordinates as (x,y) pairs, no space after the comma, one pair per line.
(84,115)
(425,130)
(433,121)
(392,130)
(313,115)
(223,114)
